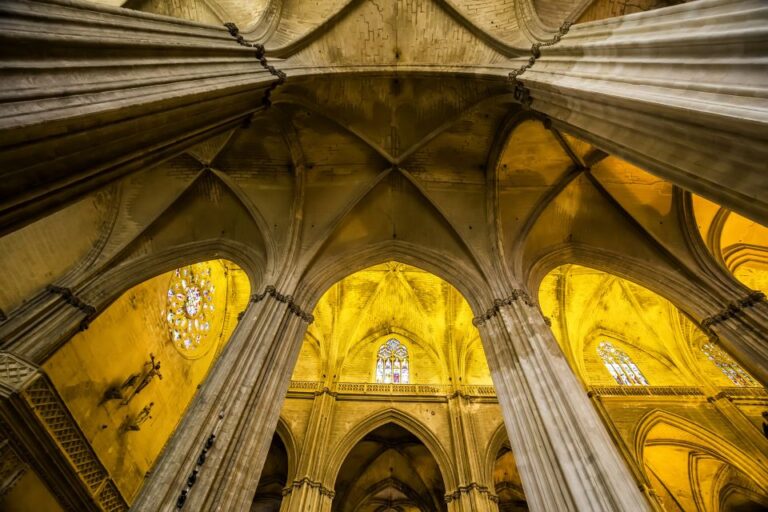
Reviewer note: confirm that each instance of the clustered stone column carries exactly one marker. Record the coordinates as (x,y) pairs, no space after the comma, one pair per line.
(471,494)
(247,384)
(566,458)
(666,90)
(307,491)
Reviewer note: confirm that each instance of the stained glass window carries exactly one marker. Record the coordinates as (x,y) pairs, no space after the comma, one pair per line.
(620,366)
(728,366)
(190,306)
(392,363)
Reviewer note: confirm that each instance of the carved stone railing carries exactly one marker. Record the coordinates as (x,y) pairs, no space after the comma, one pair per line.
(730,392)
(745,392)
(373,388)
(646,391)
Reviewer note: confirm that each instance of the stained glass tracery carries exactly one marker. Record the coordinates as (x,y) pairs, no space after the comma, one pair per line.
(728,366)
(392,363)
(190,306)
(621,367)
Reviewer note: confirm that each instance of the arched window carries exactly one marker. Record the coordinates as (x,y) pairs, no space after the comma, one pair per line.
(728,366)
(392,363)
(620,366)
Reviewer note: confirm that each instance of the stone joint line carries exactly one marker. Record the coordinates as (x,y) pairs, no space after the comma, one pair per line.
(271,291)
(521,92)
(500,303)
(733,309)
(76,302)
(281,76)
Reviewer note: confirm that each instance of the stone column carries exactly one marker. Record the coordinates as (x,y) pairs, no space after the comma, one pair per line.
(566,458)
(472,493)
(215,458)
(135,89)
(679,91)
(307,492)
(742,328)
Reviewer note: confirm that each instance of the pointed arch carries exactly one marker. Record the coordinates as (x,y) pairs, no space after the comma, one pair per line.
(710,443)
(291,447)
(379,419)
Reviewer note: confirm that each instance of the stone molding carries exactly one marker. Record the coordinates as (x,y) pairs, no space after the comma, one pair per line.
(521,295)
(76,302)
(15,373)
(271,291)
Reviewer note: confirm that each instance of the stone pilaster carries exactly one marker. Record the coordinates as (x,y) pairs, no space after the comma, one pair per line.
(239,405)
(472,494)
(307,492)
(566,458)
(677,91)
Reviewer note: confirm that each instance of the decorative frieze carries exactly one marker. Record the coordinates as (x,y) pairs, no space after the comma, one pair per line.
(76,302)
(271,291)
(517,295)
(15,373)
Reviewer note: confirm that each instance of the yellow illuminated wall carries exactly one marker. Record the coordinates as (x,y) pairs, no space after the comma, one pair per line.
(697,454)
(116,345)
(741,245)
(29,494)
(393,300)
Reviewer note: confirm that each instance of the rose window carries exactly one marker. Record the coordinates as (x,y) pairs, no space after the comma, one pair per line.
(190,306)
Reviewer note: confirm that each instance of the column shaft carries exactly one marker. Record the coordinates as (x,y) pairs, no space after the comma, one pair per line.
(680,92)
(566,458)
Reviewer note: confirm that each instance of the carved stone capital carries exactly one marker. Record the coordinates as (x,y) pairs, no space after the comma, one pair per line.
(271,291)
(733,309)
(517,295)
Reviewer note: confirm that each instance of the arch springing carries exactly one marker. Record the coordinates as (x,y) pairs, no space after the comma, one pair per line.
(620,365)
(392,365)
(728,366)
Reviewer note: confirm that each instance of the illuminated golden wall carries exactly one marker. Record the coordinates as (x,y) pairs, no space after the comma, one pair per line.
(119,342)
(741,245)
(361,312)
(696,449)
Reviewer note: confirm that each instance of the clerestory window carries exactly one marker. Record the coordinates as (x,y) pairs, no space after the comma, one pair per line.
(620,365)
(728,366)
(392,363)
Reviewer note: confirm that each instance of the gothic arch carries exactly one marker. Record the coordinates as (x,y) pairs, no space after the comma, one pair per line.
(498,439)
(688,298)
(105,288)
(710,443)
(381,418)
(289,441)
(473,287)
